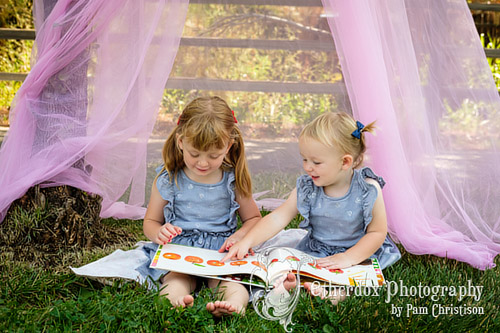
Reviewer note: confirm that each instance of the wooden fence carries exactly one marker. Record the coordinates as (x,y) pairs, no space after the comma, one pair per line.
(251,86)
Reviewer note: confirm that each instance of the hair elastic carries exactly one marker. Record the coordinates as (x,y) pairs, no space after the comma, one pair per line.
(357,132)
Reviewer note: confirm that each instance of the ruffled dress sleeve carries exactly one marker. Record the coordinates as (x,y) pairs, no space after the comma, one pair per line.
(369,192)
(305,195)
(167,192)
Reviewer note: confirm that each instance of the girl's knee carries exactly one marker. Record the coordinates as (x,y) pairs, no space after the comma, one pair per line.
(233,289)
(175,280)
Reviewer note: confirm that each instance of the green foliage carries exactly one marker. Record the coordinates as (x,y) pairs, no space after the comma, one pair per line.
(228,21)
(26,226)
(272,109)
(258,22)
(14,54)
(16,14)
(494,43)
(472,124)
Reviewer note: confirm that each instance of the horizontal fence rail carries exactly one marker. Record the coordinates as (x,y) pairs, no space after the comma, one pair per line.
(485,7)
(265,44)
(255,86)
(252,86)
(294,3)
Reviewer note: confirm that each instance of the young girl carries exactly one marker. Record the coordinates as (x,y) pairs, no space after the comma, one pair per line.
(195,197)
(341,202)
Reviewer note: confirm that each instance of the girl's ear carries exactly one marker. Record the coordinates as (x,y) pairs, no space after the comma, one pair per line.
(347,161)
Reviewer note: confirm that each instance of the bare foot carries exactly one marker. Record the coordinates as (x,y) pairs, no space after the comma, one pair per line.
(184,301)
(290,281)
(335,295)
(221,308)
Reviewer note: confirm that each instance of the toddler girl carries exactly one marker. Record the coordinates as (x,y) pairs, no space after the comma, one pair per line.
(341,202)
(195,197)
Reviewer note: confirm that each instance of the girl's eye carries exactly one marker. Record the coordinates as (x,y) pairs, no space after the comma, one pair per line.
(214,157)
(194,155)
(317,163)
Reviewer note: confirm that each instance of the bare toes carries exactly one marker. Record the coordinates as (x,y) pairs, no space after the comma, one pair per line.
(290,281)
(210,307)
(188,300)
(219,309)
(184,301)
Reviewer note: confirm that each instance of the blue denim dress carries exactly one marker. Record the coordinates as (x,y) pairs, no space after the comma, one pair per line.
(205,212)
(336,224)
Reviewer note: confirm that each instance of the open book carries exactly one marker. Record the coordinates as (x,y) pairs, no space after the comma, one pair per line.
(263,268)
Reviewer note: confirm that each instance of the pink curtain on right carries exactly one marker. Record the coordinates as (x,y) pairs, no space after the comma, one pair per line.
(418,68)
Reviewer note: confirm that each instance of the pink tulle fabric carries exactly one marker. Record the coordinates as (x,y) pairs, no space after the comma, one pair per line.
(85,113)
(414,66)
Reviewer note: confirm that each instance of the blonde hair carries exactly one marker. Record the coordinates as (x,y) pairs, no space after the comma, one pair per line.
(334,129)
(206,123)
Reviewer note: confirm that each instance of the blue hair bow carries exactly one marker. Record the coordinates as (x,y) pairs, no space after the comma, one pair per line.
(357,132)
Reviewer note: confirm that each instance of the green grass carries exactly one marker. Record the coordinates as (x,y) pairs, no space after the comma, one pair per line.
(34,299)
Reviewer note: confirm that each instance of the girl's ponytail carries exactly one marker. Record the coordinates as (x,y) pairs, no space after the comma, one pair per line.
(236,158)
(358,133)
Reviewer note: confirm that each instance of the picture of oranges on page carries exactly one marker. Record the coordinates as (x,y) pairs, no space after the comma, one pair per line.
(262,268)
(215,263)
(171,256)
(239,263)
(195,260)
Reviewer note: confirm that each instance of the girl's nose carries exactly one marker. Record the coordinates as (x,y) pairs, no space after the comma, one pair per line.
(202,162)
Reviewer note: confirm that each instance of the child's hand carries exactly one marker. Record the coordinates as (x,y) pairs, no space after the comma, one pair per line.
(339,260)
(166,233)
(231,240)
(237,251)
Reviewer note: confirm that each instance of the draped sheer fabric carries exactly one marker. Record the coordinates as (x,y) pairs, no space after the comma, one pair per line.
(420,66)
(85,114)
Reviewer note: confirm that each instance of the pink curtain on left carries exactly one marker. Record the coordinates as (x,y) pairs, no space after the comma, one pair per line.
(84,114)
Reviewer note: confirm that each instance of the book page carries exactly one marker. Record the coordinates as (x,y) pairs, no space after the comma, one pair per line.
(366,273)
(268,265)
(203,262)
(280,260)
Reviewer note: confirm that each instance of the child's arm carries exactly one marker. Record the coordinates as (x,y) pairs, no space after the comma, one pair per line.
(368,244)
(153,226)
(249,214)
(266,228)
